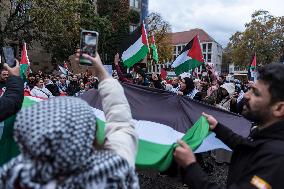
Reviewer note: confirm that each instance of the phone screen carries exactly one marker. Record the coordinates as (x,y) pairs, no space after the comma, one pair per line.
(8,53)
(89,40)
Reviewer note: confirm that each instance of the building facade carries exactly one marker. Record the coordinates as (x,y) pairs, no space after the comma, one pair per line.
(211,50)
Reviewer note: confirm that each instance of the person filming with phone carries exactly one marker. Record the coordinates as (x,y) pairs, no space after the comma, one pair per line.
(13,93)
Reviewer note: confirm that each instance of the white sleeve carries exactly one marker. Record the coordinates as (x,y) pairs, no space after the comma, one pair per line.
(120,132)
(33,92)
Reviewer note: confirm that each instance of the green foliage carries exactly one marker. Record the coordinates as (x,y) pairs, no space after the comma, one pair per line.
(117,11)
(263,35)
(55,24)
(161,30)
(134,17)
(15,24)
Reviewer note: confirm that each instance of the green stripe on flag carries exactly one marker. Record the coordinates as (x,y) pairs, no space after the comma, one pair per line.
(23,71)
(153,155)
(142,53)
(187,65)
(158,156)
(100,131)
(8,146)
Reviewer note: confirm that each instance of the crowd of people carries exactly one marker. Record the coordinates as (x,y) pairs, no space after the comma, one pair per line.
(65,153)
(46,86)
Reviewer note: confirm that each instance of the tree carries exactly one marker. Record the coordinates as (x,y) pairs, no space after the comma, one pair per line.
(15,23)
(59,23)
(161,30)
(55,24)
(263,36)
(117,11)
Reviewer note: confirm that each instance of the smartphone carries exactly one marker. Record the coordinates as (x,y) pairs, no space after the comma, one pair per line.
(8,54)
(88,45)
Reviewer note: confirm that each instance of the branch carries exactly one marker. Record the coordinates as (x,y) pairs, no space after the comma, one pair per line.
(11,16)
(22,26)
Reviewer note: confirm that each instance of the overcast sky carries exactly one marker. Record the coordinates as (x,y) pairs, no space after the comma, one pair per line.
(219,18)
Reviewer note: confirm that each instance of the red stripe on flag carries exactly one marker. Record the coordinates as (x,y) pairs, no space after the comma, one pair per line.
(195,51)
(144,36)
(253,63)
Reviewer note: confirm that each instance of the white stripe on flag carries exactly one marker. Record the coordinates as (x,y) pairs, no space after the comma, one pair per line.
(163,134)
(181,59)
(132,50)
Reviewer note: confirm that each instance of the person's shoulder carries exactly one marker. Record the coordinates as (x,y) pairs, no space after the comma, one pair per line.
(274,147)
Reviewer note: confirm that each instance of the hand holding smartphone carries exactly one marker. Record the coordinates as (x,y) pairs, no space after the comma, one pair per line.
(8,54)
(88,45)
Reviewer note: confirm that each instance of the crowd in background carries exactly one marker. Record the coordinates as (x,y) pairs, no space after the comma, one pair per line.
(219,90)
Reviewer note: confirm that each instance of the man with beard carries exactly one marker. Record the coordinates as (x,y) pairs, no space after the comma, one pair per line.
(3,80)
(11,99)
(257,161)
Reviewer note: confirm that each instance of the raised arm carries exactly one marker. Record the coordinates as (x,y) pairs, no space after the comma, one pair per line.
(120,132)
(11,101)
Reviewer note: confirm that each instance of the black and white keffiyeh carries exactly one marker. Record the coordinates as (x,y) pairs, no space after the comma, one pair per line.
(56,138)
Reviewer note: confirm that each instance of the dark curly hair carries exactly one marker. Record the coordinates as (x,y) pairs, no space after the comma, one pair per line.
(273,75)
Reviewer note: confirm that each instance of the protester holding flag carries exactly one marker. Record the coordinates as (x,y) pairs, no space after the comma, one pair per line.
(257,161)
(11,100)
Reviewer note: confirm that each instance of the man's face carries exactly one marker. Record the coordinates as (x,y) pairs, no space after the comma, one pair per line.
(62,80)
(75,78)
(31,78)
(182,84)
(175,80)
(257,106)
(40,83)
(140,78)
(4,75)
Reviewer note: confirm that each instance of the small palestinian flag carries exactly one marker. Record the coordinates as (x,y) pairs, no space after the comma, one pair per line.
(154,49)
(253,63)
(189,58)
(24,63)
(135,47)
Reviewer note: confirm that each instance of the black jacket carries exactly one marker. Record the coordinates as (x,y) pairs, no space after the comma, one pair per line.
(12,99)
(260,156)
(73,88)
(53,88)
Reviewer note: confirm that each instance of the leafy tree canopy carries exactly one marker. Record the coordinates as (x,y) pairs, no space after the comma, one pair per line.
(264,35)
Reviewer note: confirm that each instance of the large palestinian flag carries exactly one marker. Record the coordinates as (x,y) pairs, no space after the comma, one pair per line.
(189,58)
(161,118)
(135,47)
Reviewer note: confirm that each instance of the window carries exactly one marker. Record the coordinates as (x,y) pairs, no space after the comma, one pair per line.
(209,47)
(175,48)
(183,46)
(132,28)
(134,3)
(204,57)
(208,57)
(179,49)
(204,47)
